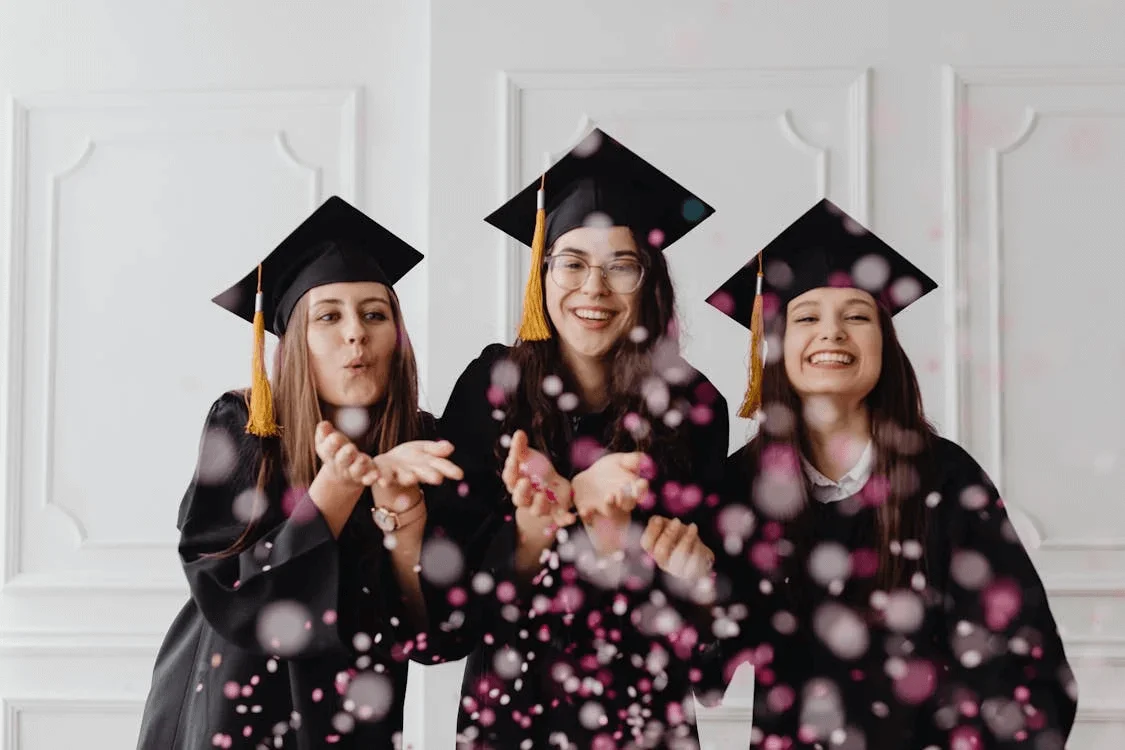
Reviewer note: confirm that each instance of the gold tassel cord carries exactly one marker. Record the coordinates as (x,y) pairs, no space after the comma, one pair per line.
(533,325)
(752,401)
(261,422)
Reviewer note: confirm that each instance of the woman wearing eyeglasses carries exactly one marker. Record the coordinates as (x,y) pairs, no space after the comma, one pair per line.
(592,455)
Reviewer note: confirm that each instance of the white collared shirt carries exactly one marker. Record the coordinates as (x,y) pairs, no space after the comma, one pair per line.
(827,491)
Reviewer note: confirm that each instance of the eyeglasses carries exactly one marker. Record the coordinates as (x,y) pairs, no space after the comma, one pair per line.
(622,276)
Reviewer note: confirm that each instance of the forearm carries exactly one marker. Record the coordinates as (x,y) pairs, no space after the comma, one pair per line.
(404,545)
(534,535)
(334,501)
(406,556)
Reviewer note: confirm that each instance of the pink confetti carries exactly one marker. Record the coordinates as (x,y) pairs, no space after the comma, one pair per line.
(781,698)
(876,492)
(764,556)
(702,415)
(1002,600)
(965,738)
(918,683)
(807,734)
(723,302)
(603,742)
(457,596)
(584,451)
(778,458)
(865,562)
(290,498)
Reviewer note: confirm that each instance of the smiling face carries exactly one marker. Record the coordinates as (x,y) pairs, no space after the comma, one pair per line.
(592,311)
(352,335)
(833,343)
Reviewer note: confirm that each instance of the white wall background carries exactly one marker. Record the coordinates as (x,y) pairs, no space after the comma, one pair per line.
(150,153)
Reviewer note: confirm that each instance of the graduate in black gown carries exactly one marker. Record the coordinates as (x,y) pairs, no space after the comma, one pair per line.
(300,616)
(581,631)
(891,604)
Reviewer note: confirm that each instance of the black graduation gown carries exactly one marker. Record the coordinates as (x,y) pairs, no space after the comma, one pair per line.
(974,651)
(530,677)
(275,639)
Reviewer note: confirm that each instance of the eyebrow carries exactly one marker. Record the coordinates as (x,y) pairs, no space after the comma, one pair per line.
(849,301)
(334,301)
(584,254)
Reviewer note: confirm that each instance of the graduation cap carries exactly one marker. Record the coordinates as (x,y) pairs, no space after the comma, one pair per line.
(598,182)
(823,248)
(336,243)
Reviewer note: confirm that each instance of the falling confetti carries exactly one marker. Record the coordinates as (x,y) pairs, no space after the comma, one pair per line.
(371,694)
(352,421)
(441,561)
(281,628)
(218,458)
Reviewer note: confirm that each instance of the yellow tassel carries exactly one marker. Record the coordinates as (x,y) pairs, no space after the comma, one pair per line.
(261,422)
(533,325)
(752,401)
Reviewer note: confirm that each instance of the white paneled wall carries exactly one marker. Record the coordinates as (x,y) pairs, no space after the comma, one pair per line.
(150,155)
(984,141)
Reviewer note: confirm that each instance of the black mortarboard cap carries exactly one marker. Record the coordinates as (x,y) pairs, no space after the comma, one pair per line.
(336,243)
(823,248)
(602,183)
(601,180)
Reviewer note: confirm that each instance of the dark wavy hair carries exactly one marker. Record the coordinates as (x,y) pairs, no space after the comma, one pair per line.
(903,440)
(629,364)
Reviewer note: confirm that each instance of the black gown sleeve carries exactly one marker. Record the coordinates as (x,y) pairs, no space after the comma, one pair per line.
(691,491)
(748,634)
(707,443)
(371,601)
(475,516)
(1007,656)
(279,594)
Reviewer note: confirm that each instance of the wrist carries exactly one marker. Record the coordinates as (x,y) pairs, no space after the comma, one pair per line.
(334,490)
(533,529)
(407,513)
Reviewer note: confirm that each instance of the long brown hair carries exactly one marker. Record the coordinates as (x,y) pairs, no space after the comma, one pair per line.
(903,441)
(394,420)
(630,363)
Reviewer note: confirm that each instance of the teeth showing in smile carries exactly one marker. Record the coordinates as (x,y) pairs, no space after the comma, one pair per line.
(593,314)
(831,357)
